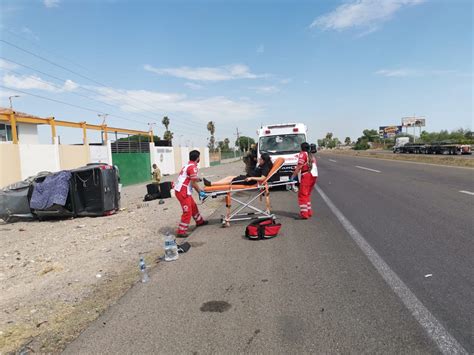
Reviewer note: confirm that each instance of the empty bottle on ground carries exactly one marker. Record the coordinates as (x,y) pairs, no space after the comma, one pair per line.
(171,249)
(143,270)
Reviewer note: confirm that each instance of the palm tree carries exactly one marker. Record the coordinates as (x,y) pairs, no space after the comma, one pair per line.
(166,122)
(168,135)
(347,140)
(211,127)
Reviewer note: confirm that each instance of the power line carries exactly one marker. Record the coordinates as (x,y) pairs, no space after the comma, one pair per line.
(76,106)
(82,76)
(75,93)
(66,103)
(45,49)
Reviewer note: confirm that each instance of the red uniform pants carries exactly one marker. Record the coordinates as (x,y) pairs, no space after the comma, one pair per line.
(304,194)
(190,209)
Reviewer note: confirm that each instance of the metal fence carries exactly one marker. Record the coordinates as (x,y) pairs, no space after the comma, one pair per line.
(130,147)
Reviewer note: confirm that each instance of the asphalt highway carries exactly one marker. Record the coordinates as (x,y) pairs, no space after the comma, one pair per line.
(384,266)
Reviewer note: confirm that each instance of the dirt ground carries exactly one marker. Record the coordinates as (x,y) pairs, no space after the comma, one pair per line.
(57,276)
(451,160)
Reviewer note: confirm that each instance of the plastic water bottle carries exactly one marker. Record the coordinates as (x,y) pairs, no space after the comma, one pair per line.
(171,249)
(143,270)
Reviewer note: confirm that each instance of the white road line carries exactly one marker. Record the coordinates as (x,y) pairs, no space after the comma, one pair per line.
(467,192)
(364,168)
(332,160)
(446,343)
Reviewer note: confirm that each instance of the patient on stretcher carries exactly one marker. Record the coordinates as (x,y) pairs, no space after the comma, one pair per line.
(259,174)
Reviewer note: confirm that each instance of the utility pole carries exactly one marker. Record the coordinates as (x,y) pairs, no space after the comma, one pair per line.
(10,99)
(104,117)
(238,138)
(150,129)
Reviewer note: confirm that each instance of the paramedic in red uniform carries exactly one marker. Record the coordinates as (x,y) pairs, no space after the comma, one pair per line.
(305,165)
(187,180)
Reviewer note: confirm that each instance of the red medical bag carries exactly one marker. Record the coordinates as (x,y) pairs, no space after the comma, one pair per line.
(262,229)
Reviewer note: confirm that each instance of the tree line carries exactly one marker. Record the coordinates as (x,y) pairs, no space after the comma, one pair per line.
(242,143)
(371,137)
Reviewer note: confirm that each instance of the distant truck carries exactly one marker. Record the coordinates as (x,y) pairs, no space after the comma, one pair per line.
(403,145)
(282,140)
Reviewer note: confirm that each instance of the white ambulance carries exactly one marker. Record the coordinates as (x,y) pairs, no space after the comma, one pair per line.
(282,140)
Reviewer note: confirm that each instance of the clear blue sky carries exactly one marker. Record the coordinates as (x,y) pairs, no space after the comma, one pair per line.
(338,66)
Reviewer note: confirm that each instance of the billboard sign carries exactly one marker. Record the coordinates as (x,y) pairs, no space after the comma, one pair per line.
(389,131)
(413,122)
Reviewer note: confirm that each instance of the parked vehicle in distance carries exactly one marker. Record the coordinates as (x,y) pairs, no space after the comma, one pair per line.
(403,145)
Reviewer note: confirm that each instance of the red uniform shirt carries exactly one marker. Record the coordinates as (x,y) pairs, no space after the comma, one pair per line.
(188,173)
(303,162)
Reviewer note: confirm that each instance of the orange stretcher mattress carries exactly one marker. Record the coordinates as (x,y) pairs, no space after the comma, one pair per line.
(228,187)
(277,164)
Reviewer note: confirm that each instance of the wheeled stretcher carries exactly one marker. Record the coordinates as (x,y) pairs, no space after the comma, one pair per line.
(258,191)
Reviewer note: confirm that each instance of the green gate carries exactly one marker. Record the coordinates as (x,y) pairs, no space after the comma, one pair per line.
(133,161)
(133,167)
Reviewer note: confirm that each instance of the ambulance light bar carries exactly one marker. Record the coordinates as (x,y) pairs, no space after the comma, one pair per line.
(267,131)
(295,130)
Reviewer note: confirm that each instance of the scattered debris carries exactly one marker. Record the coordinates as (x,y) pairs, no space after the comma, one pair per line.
(41,323)
(46,270)
(22,230)
(81,226)
(428,275)
(98,276)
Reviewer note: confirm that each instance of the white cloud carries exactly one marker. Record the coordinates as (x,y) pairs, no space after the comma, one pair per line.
(226,72)
(404,72)
(266,89)
(5,65)
(51,3)
(212,108)
(70,85)
(261,49)
(29,33)
(286,81)
(193,86)
(361,14)
(33,82)
(396,72)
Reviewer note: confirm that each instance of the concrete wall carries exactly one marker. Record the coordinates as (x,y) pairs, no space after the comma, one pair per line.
(164,158)
(206,160)
(19,161)
(73,156)
(38,157)
(28,133)
(100,154)
(177,159)
(10,170)
(181,157)
(184,152)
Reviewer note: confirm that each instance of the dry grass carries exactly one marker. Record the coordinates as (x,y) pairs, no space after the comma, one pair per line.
(419,158)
